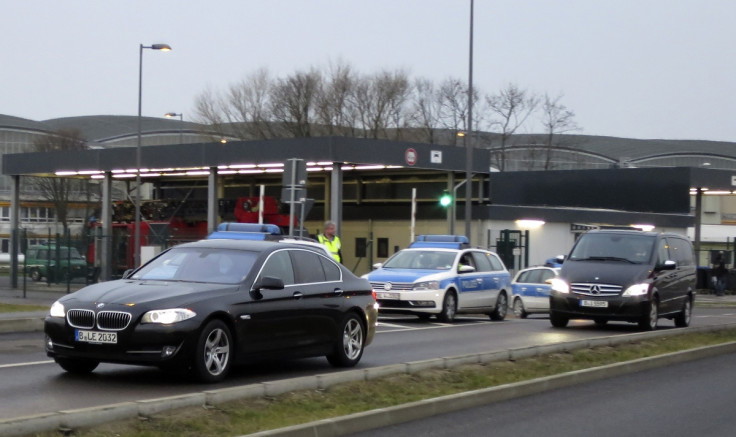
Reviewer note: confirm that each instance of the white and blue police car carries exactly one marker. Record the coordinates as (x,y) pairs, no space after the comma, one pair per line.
(442,275)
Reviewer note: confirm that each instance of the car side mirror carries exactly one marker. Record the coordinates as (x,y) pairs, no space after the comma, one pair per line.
(269,283)
(465,269)
(559,259)
(127,273)
(667,265)
(377,266)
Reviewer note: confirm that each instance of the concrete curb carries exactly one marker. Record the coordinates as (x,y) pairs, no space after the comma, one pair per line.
(25,324)
(86,417)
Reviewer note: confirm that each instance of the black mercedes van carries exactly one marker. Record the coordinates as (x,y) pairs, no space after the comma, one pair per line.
(626,275)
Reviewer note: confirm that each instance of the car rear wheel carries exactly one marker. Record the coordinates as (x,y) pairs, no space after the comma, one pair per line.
(502,307)
(682,320)
(350,344)
(648,322)
(77,366)
(558,320)
(519,310)
(449,307)
(212,354)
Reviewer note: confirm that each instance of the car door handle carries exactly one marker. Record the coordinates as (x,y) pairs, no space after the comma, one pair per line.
(298,295)
(339,291)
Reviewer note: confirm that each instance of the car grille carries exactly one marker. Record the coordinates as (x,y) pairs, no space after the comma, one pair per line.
(113,320)
(596,289)
(84,319)
(395,286)
(106,320)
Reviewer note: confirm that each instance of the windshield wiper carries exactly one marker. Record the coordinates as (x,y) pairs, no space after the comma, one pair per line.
(605,258)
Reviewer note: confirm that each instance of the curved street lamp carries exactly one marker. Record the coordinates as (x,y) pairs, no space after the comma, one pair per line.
(137,233)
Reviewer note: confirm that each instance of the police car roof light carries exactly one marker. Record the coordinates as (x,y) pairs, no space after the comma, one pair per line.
(250,227)
(441,241)
(236,235)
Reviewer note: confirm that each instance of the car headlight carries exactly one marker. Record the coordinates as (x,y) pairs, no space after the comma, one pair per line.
(637,290)
(427,285)
(559,285)
(57,310)
(167,317)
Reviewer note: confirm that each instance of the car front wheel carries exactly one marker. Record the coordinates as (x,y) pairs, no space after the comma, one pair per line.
(36,275)
(349,345)
(648,322)
(449,307)
(212,355)
(557,320)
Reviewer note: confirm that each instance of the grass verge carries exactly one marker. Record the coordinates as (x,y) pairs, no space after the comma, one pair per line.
(13,308)
(253,415)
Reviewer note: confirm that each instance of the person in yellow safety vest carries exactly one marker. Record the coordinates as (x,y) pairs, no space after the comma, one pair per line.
(331,241)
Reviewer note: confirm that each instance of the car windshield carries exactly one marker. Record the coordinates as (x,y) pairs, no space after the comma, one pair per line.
(629,248)
(220,266)
(421,259)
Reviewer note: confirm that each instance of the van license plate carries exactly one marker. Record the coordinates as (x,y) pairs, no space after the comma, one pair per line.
(594,303)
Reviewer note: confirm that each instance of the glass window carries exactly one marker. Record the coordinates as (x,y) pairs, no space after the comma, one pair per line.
(681,251)
(308,267)
(482,262)
(199,265)
(332,271)
(546,275)
(523,277)
(278,265)
(663,253)
(496,263)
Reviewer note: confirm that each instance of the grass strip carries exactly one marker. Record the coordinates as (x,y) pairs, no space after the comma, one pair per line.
(252,415)
(14,308)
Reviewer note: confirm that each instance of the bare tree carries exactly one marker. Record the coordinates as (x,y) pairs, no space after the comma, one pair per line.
(557,119)
(425,109)
(453,98)
(333,107)
(293,102)
(61,190)
(509,109)
(243,111)
(379,103)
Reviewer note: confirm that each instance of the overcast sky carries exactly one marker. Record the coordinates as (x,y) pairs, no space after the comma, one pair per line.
(627,68)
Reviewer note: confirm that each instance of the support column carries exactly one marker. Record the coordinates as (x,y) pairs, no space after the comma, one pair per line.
(212,201)
(698,222)
(106,230)
(336,197)
(14,229)
(452,210)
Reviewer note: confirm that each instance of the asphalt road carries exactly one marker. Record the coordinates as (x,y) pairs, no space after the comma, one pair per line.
(696,398)
(38,385)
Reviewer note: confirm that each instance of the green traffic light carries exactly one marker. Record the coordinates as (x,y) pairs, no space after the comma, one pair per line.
(445,199)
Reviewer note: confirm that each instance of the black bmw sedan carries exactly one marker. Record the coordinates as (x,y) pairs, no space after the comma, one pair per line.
(203,307)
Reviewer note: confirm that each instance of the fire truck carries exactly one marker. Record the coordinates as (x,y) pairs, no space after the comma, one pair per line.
(168,223)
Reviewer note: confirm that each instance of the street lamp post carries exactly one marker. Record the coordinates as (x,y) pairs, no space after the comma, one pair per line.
(469,140)
(137,233)
(181,124)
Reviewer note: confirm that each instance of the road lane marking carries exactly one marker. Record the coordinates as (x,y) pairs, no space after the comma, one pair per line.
(32,363)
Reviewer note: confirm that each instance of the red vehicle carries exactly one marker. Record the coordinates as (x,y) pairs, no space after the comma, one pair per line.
(177,230)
